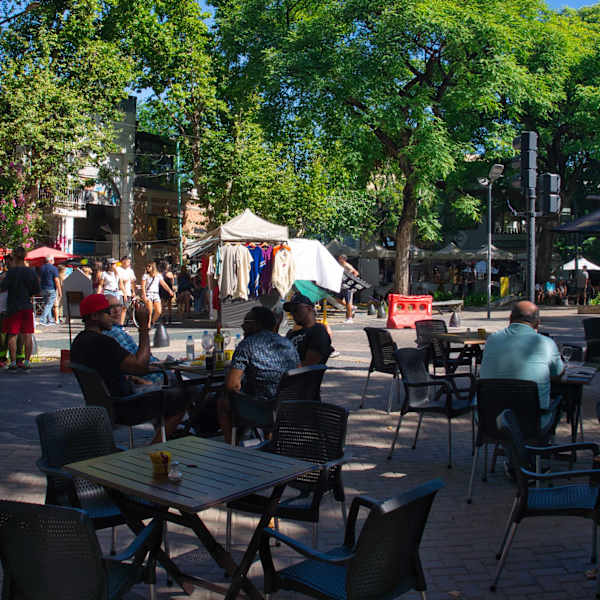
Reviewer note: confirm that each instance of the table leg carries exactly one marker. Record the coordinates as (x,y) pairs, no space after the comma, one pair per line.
(240,573)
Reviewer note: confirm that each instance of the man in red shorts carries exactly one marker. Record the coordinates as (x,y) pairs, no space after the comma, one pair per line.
(22,284)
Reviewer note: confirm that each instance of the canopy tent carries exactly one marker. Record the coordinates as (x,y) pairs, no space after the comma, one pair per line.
(336,248)
(588,224)
(245,227)
(570,266)
(451,252)
(314,262)
(37,257)
(377,251)
(497,253)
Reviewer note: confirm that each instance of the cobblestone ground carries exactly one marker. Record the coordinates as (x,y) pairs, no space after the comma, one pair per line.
(549,557)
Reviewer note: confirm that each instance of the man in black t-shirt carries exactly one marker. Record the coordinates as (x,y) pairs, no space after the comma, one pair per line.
(104,354)
(312,340)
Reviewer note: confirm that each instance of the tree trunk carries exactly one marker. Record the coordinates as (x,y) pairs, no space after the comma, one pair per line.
(404,238)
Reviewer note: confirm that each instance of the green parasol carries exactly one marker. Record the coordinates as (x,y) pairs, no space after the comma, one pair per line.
(311,290)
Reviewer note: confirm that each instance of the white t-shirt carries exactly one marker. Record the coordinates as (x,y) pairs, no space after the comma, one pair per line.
(110,281)
(127,276)
(151,284)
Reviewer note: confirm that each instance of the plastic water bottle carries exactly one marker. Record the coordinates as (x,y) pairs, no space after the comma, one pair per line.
(189,348)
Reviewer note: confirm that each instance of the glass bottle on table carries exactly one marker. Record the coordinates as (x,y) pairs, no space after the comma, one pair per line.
(219,343)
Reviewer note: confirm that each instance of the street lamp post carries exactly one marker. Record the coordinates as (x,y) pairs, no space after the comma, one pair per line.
(494,174)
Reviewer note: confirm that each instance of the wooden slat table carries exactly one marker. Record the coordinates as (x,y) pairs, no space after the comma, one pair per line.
(213,473)
(466,338)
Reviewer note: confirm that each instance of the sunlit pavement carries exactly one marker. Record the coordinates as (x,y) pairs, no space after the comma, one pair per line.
(549,557)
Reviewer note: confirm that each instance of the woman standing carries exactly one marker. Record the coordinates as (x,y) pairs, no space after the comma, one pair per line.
(169,279)
(152,283)
(112,285)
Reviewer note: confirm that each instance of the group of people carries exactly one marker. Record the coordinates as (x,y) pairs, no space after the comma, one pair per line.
(557,292)
(257,365)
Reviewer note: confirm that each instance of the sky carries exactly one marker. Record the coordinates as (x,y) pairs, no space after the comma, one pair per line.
(557,4)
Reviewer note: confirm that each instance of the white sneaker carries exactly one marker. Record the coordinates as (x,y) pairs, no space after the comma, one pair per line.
(349,321)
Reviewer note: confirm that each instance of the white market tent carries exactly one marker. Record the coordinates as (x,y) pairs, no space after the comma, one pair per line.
(314,262)
(497,253)
(245,227)
(451,252)
(570,266)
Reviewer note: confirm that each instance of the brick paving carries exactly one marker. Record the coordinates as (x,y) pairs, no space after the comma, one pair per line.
(549,557)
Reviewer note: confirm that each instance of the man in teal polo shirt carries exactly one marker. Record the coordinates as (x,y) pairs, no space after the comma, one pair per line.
(520,352)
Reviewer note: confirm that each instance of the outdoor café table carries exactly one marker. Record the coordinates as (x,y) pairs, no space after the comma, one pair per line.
(213,473)
(471,342)
(570,386)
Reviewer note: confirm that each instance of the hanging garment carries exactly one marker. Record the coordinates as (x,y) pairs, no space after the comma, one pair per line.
(244,262)
(284,271)
(258,264)
(267,270)
(227,277)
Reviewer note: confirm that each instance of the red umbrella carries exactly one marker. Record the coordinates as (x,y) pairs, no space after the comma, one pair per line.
(37,257)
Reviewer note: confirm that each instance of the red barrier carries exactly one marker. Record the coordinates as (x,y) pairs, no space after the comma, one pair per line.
(405,310)
(65,360)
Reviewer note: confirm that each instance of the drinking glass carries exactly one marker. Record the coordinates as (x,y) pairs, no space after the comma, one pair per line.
(566,353)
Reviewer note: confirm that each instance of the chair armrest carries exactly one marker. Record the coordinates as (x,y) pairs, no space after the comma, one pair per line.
(143,539)
(357,503)
(48,470)
(152,370)
(455,376)
(561,474)
(550,450)
(444,384)
(333,559)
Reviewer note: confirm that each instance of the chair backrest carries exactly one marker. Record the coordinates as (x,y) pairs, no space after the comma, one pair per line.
(517,395)
(315,432)
(591,327)
(426,327)
(382,350)
(93,388)
(592,350)
(386,561)
(301,384)
(49,552)
(513,442)
(70,435)
(411,362)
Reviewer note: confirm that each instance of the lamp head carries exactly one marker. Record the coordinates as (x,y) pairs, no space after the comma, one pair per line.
(496,172)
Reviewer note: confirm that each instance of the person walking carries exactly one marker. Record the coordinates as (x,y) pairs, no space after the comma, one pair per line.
(583,282)
(169,280)
(127,277)
(347,295)
(51,290)
(152,282)
(22,284)
(111,283)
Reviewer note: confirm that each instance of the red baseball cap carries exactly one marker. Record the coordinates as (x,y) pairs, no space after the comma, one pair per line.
(92,304)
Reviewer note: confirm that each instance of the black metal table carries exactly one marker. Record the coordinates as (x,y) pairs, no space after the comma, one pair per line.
(213,473)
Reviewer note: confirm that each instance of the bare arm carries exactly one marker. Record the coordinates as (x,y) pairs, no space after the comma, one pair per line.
(143,290)
(138,362)
(166,287)
(233,381)
(58,286)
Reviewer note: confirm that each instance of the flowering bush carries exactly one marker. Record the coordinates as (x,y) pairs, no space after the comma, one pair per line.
(17,221)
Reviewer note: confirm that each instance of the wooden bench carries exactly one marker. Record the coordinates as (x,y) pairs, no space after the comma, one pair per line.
(448,305)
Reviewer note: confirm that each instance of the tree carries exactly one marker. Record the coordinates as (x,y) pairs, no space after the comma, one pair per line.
(426,83)
(60,85)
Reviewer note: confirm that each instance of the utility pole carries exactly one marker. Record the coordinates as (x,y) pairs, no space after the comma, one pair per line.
(179,215)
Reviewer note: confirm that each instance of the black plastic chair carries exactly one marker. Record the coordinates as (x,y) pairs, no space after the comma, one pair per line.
(383,360)
(577,500)
(384,563)
(311,431)
(438,352)
(53,552)
(128,411)
(431,394)
(522,397)
(301,384)
(591,328)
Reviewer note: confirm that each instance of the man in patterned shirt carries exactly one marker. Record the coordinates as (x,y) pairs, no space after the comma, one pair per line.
(118,333)
(257,365)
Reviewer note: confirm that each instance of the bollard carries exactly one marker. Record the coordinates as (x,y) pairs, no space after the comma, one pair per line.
(161,337)
(371,310)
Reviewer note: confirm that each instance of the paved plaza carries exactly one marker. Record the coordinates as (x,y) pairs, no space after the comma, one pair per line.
(549,558)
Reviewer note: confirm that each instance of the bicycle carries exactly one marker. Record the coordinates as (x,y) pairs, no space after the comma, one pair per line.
(130,312)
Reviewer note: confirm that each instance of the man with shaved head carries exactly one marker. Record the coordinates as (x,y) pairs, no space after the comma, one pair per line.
(520,352)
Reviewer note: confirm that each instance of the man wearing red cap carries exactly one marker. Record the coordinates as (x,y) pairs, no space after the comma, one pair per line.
(104,354)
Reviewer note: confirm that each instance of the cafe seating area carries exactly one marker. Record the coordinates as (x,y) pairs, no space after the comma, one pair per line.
(441,527)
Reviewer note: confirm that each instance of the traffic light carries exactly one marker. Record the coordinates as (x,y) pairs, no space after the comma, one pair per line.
(549,190)
(528,162)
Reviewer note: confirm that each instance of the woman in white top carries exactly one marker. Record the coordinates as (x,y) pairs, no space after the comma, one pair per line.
(152,281)
(111,283)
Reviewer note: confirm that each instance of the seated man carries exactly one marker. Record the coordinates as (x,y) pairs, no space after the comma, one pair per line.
(312,340)
(550,289)
(520,352)
(257,365)
(113,362)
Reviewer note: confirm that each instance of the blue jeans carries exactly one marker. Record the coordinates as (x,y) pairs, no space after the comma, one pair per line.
(49,297)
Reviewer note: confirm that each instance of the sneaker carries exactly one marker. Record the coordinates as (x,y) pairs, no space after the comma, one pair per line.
(335,354)
(12,367)
(24,364)
(2,363)
(349,321)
